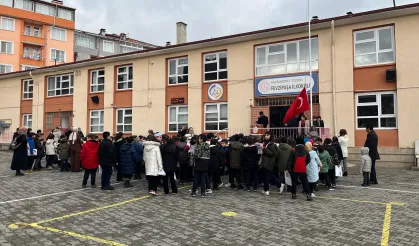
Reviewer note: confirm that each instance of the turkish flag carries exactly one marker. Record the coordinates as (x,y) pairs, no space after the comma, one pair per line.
(300,105)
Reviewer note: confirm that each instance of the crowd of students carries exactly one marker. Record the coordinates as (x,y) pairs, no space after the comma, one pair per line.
(251,161)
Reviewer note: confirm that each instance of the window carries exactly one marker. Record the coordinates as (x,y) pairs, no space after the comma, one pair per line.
(27,67)
(26,52)
(27,30)
(45,9)
(4,68)
(124,120)
(27,120)
(127,47)
(215,66)
(216,116)
(65,14)
(58,55)
(59,34)
(124,77)
(97,81)
(60,85)
(7,24)
(85,40)
(178,117)
(289,57)
(108,46)
(36,54)
(178,71)
(374,46)
(96,121)
(24,4)
(8,3)
(377,109)
(37,32)
(28,89)
(6,47)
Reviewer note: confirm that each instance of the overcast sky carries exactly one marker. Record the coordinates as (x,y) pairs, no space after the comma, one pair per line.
(154,21)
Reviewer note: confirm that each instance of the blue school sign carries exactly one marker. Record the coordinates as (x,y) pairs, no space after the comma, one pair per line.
(286,85)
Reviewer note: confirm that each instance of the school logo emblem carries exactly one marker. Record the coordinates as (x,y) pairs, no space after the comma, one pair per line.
(263,86)
(215,92)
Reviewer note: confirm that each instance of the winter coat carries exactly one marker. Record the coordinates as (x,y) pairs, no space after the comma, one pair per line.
(333,155)
(372,143)
(269,155)
(226,153)
(138,151)
(64,150)
(20,154)
(326,161)
(313,167)
(89,155)
(127,159)
(77,146)
(31,144)
(118,144)
(299,152)
(365,160)
(183,155)
(50,147)
(284,151)
(313,134)
(343,141)
(250,158)
(57,134)
(216,158)
(107,153)
(235,148)
(152,158)
(169,156)
(39,147)
(202,155)
(338,149)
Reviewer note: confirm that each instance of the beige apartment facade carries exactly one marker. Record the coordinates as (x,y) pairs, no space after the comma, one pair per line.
(224,82)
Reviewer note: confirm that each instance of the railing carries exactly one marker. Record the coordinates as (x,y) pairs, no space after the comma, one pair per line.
(290,132)
(35,58)
(6,137)
(31,34)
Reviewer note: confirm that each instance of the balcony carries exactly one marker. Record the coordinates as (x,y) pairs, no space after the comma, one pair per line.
(37,39)
(31,60)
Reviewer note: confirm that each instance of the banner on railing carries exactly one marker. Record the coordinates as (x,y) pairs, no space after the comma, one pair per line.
(283,85)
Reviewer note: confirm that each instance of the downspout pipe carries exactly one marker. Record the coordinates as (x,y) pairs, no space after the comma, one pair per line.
(334,79)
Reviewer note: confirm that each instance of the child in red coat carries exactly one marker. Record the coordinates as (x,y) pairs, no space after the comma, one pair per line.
(90,159)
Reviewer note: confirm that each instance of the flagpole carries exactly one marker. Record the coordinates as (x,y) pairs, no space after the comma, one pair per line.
(309,66)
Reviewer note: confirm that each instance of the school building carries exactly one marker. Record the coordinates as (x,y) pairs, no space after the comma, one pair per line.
(364,71)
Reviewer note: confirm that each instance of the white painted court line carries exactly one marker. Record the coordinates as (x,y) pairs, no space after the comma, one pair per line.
(407,184)
(373,188)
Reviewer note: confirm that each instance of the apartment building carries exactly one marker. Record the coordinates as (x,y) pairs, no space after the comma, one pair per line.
(364,71)
(35,34)
(90,45)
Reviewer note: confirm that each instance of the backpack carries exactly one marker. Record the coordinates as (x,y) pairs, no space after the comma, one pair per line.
(14,144)
(300,164)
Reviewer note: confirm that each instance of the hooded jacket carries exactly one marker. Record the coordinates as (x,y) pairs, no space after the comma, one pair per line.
(216,158)
(313,167)
(152,158)
(343,141)
(250,158)
(202,155)
(365,160)
(372,143)
(64,150)
(183,155)
(50,147)
(127,159)
(235,148)
(296,156)
(39,147)
(138,151)
(333,155)
(284,151)
(31,144)
(169,155)
(118,144)
(338,149)
(107,153)
(326,161)
(89,155)
(269,155)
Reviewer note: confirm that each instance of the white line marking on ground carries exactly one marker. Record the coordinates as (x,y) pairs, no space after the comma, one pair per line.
(407,184)
(373,188)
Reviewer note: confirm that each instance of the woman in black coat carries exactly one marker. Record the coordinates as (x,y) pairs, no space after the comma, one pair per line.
(169,156)
(20,154)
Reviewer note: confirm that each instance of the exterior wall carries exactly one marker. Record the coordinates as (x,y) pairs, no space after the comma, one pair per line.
(12,36)
(10,102)
(67,46)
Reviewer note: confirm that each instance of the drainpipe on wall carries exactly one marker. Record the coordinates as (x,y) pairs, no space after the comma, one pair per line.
(333,78)
(37,101)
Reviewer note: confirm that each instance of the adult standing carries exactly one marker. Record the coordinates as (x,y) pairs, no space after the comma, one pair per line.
(303,126)
(57,134)
(169,156)
(20,153)
(106,160)
(153,163)
(321,122)
(16,134)
(76,146)
(119,141)
(80,132)
(262,120)
(343,141)
(372,143)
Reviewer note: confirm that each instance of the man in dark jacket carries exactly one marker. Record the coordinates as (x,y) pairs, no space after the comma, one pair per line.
(297,167)
(169,156)
(372,143)
(262,120)
(107,160)
(235,163)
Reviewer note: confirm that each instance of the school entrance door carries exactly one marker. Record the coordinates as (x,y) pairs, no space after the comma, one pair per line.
(277,115)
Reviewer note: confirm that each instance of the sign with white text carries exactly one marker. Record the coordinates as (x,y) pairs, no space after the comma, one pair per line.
(286,85)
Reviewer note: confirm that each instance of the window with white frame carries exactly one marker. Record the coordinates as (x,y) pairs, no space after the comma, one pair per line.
(58,34)
(27,31)
(108,46)
(45,9)
(65,14)
(24,4)
(96,121)
(57,55)
(7,24)
(27,67)
(37,32)
(6,47)
(216,116)
(8,3)
(127,47)
(124,120)
(60,85)
(378,109)
(27,89)
(215,66)
(85,40)
(178,117)
(5,68)
(97,83)
(27,120)
(178,71)
(374,46)
(124,77)
(287,57)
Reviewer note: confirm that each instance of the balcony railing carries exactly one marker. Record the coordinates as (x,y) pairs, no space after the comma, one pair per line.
(32,34)
(35,58)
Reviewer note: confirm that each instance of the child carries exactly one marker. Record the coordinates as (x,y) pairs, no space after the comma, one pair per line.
(313,168)
(335,160)
(225,149)
(90,158)
(201,156)
(31,152)
(365,165)
(216,160)
(326,161)
(50,147)
(40,152)
(64,153)
(127,161)
(251,157)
